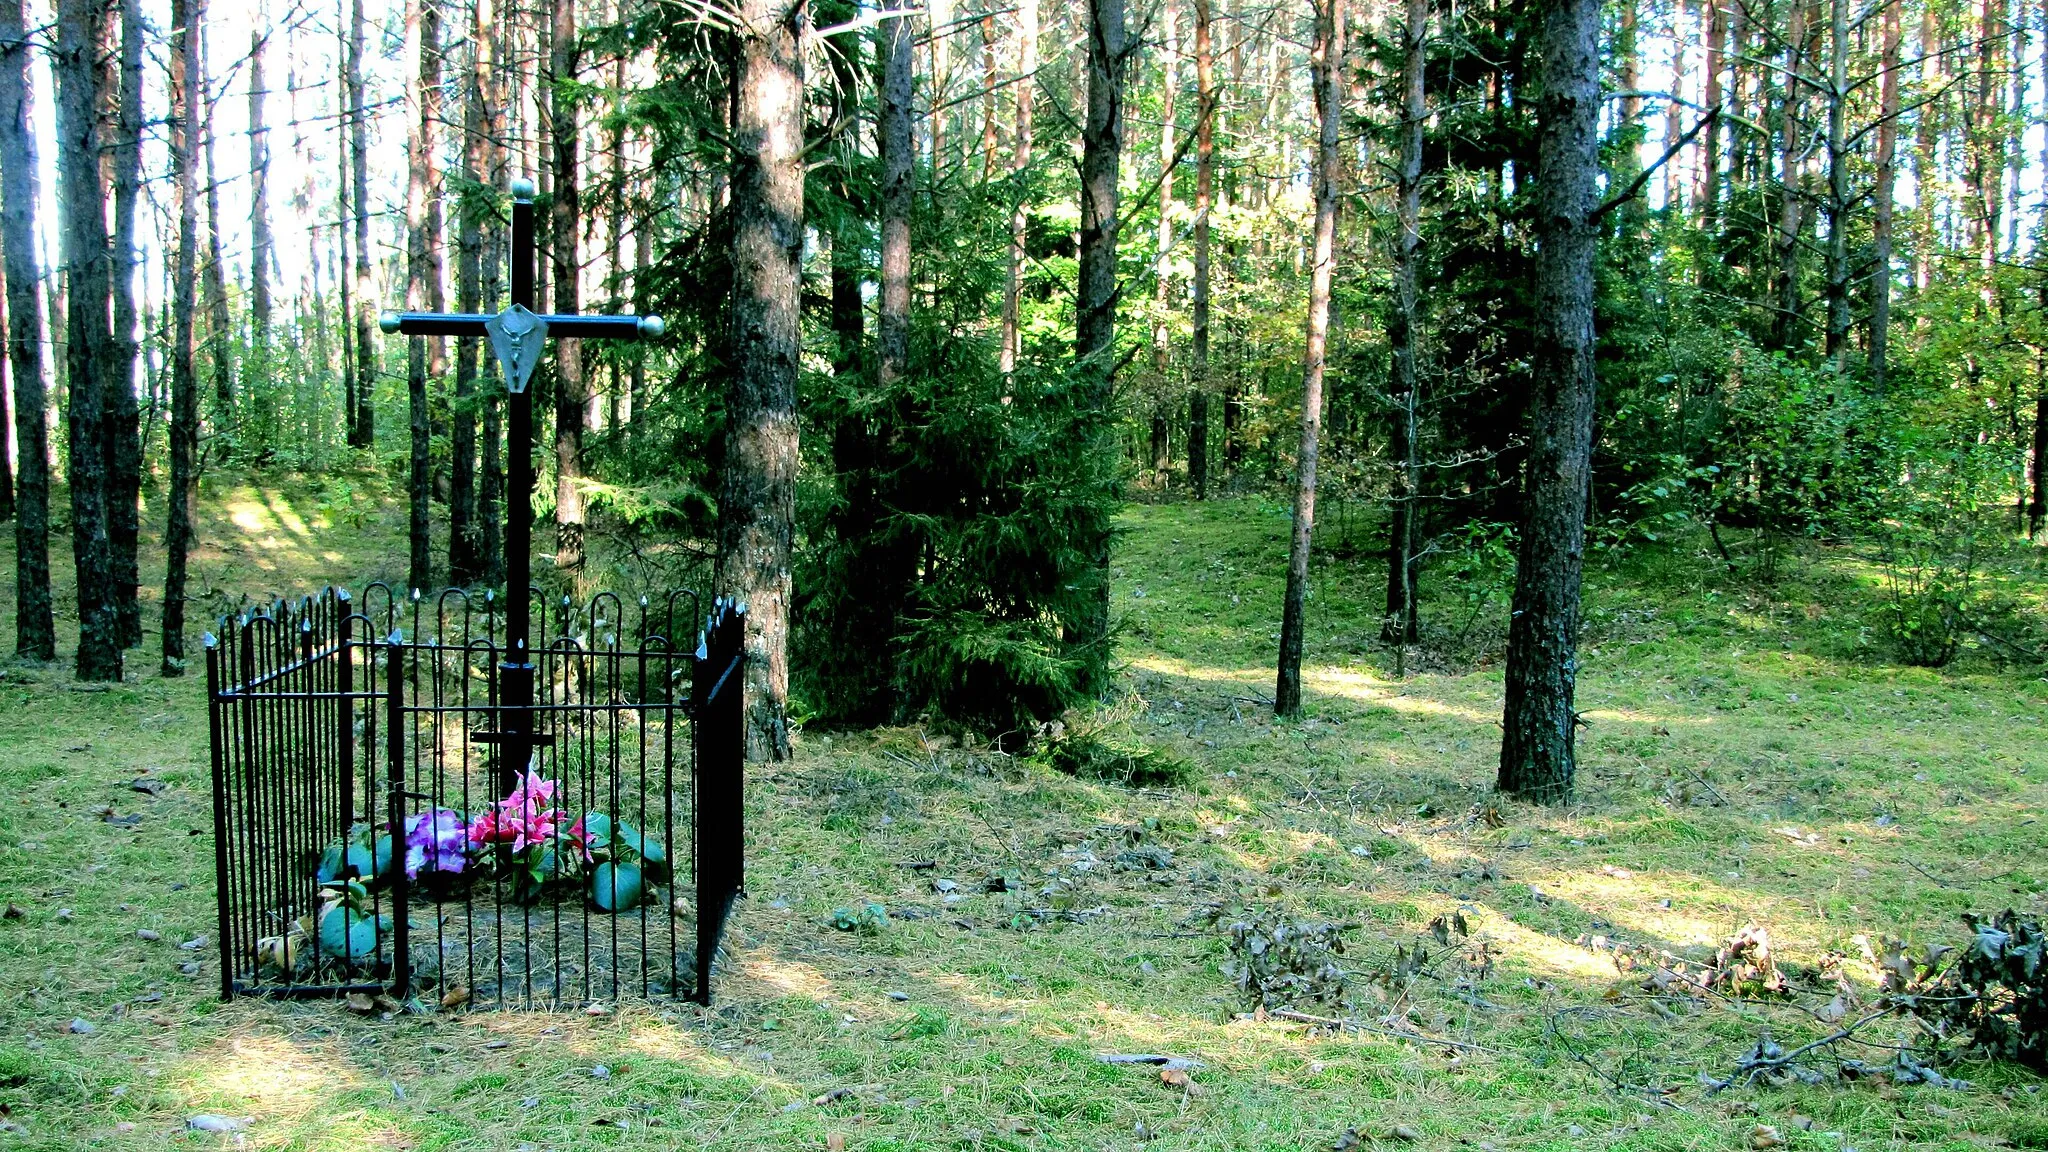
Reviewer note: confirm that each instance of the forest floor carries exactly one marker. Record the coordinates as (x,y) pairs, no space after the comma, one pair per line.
(1749,759)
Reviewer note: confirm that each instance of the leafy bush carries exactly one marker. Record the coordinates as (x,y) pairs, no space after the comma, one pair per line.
(1995,993)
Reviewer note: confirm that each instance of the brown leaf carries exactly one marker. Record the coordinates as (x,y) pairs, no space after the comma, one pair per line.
(835,1142)
(1764,1136)
(361,1002)
(455,997)
(1405,1134)
(1176,1077)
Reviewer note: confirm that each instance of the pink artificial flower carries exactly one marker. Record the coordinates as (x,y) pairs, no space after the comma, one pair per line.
(522,819)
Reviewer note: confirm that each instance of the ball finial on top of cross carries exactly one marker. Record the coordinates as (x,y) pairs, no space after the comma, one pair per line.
(522,189)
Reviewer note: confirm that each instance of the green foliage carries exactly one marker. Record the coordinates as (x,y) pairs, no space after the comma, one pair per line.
(1995,992)
(869,919)
(1103,744)
(948,553)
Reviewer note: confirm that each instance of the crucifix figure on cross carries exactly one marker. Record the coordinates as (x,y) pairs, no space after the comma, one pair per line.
(516,336)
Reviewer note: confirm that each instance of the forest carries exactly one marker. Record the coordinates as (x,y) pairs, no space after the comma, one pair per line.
(1308,457)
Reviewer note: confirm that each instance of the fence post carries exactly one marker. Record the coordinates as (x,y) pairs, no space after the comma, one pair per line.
(345,686)
(222,895)
(394,803)
(720,811)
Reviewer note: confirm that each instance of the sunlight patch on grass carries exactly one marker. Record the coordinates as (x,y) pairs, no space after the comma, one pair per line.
(273,1078)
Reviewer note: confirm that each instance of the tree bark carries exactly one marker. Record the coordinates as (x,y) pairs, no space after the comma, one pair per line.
(1791,182)
(1674,112)
(1711,96)
(1020,168)
(1162,268)
(187,84)
(757,490)
(1400,623)
(221,340)
(122,427)
(1536,755)
(466,561)
(1925,139)
(362,420)
(1837,266)
(565,221)
(892,319)
(35,627)
(80,25)
(1882,196)
(422,38)
(1102,142)
(1205,195)
(260,257)
(1326,61)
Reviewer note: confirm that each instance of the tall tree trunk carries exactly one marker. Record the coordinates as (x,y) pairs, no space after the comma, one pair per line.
(492,42)
(1326,60)
(1162,268)
(1399,627)
(465,531)
(991,78)
(1536,753)
(260,258)
(892,319)
(1020,167)
(1837,270)
(1925,139)
(422,38)
(846,56)
(1985,171)
(1674,116)
(362,421)
(187,90)
(1710,154)
(80,24)
(1791,182)
(6,422)
(35,626)
(1102,143)
(1882,195)
(1205,194)
(757,490)
(122,428)
(565,220)
(221,340)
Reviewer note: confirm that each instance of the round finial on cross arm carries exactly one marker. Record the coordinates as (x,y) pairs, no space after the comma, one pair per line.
(522,189)
(387,322)
(652,326)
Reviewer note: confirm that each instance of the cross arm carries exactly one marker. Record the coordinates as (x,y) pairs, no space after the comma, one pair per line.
(574,326)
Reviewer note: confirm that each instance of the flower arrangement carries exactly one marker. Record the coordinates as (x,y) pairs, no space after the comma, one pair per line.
(527,837)
(436,841)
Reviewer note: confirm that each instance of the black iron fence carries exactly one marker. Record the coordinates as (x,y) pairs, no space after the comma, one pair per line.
(374,832)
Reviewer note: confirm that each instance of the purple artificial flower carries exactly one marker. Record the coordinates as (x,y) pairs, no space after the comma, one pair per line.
(437,841)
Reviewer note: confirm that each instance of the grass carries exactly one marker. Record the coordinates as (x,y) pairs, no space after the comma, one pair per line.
(1750,759)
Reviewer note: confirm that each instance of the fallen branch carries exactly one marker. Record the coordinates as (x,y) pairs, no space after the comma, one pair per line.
(1342,1022)
(1752,1066)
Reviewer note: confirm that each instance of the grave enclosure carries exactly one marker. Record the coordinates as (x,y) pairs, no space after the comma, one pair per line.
(457,797)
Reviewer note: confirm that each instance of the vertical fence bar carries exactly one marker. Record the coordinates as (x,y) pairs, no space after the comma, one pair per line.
(345,711)
(223,895)
(394,801)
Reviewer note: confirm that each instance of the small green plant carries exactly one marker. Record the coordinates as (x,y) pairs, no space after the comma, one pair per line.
(1103,745)
(868,920)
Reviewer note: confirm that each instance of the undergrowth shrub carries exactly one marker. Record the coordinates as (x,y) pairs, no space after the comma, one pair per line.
(949,558)
(1103,745)
(1994,995)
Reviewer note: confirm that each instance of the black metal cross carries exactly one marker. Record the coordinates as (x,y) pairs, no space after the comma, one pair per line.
(516,335)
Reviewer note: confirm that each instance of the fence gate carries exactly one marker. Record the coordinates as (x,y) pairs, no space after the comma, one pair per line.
(375,831)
